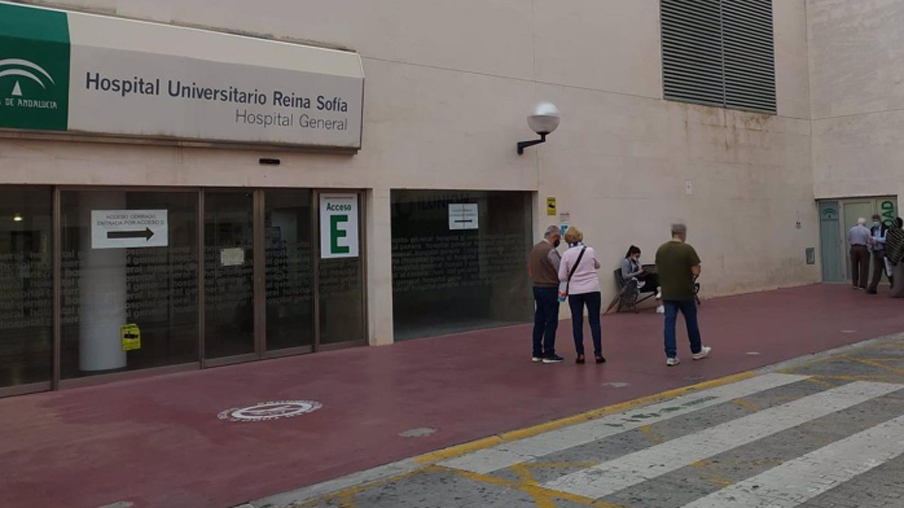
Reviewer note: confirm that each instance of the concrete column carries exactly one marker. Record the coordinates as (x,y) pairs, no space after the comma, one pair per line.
(102,289)
(379,266)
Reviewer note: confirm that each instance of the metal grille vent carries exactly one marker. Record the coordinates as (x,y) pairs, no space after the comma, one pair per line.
(719,53)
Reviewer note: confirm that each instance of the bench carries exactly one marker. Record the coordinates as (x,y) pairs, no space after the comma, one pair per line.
(628,295)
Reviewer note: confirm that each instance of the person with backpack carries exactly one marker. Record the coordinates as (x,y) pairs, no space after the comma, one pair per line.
(581,285)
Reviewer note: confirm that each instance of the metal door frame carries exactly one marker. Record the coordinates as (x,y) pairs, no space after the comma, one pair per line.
(874,201)
(362,256)
(259,286)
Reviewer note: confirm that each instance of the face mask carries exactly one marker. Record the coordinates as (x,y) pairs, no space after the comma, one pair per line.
(876,224)
(558,242)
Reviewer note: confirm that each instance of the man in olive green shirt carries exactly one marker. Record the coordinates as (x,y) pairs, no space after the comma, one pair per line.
(678,265)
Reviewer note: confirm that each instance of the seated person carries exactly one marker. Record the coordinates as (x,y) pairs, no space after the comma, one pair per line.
(647,280)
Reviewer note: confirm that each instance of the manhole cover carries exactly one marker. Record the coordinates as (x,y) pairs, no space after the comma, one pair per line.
(266,411)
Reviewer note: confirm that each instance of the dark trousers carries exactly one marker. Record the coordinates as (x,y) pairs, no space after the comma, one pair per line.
(689,309)
(860,266)
(546,320)
(651,282)
(878,269)
(593,303)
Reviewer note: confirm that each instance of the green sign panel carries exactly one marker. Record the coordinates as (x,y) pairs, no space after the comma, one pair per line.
(338,226)
(34,68)
(888,210)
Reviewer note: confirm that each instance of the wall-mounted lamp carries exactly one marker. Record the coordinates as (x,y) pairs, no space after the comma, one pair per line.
(17,217)
(544,120)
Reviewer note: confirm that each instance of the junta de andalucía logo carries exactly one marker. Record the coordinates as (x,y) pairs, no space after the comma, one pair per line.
(35,55)
(19,68)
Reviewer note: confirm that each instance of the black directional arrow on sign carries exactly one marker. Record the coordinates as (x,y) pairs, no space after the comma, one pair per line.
(121,235)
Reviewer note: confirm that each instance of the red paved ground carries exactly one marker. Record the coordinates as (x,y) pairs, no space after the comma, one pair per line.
(158,442)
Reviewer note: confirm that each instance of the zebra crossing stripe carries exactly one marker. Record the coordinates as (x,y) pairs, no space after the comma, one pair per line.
(808,476)
(509,454)
(615,475)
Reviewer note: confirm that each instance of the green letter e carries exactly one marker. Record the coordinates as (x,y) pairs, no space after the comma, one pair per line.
(336,234)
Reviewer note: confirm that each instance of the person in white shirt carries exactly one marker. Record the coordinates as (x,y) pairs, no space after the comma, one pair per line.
(859,239)
(581,284)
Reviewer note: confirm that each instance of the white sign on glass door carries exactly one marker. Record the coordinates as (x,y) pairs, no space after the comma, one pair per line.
(463,216)
(338,226)
(129,229)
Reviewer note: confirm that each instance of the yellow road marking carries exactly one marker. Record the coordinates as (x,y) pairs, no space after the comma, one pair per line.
(878,365)
(768,461)
(817,381)
(701,466)
(429,460)
(746,404)
(561,465)
(350,492)
(647,431)
(463,449)
(797,369)
(347,501)
(529,489)
(527,480)
(878,378)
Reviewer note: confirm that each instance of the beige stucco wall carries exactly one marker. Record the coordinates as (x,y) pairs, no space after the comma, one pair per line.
(857,87)
(448,87)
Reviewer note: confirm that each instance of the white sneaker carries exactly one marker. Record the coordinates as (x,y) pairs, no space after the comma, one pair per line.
(671,362)
(703,353)
(536,359)
(659,295)
(660,309)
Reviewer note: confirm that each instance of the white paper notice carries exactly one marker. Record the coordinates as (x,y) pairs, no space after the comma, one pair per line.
(129,229)
(463,216)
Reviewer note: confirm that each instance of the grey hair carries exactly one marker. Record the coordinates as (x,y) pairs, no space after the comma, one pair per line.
(552,230)
(861,221)
(678,229)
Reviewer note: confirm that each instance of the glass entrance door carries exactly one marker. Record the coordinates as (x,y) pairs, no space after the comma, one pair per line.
(26,279)
(341,313)
(102,282)
(837,216)
(228,273)
(289,273)
(830,242)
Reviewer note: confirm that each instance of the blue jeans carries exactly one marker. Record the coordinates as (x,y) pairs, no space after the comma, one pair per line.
(546,320)
(593,303)
(689,309)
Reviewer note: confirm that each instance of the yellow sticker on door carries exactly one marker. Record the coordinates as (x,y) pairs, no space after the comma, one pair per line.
(131,337)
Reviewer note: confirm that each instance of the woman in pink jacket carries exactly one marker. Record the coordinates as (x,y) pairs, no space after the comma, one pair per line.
(577,273)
